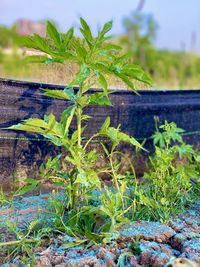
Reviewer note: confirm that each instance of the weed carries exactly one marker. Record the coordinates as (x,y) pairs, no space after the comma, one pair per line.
(74,170)
(167,188)
(24,242)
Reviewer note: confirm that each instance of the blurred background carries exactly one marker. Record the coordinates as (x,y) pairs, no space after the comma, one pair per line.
(162,36)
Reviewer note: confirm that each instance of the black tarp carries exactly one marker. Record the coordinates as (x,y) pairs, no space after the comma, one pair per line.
(22,100)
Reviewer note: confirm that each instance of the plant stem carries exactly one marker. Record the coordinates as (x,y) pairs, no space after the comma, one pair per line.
(79,113)
(15,242)
(115,179)
(89,140)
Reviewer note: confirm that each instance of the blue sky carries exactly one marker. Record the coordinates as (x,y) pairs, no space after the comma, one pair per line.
(177,19)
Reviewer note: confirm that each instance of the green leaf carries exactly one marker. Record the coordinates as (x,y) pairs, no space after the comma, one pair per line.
(105,149)
(83,100)
(71,93)
(29,186)
(55,140)
(106,28)
(86,117)
(27,41)
(22,127)
(67,37)
(130,140)
(103,82)
(105,126)
(54,34)
(66,118)
(36,122)
(158,138)
(81,76)
(75,243)
(86,32)
(121,60)
(41,43)
(100,99)
(102,66)
(60,94)
(126,80)
(111,47)
(135,72)
(80,50)
(37,59)
(59,56)
(31,125)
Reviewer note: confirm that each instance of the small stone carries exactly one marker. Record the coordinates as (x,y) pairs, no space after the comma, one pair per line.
(191,249)
(58,260)
(145,258)
(45,262)
(159,259)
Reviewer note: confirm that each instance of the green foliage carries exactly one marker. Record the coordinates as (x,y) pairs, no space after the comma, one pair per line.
(8,37)
(96,59)
(140,33)
(171,69)
(24,242)
(4,199)
(94,56)
(74,170)
(123,259)
(89,211)
(168,185)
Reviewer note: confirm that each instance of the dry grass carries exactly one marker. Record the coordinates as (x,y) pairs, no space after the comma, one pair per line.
(60,74)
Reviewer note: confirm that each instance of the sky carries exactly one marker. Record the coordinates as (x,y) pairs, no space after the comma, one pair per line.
(178,20)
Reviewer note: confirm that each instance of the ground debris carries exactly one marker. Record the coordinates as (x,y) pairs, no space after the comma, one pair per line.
(140,243)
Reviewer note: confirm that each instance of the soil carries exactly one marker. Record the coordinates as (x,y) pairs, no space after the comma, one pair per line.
(138,244)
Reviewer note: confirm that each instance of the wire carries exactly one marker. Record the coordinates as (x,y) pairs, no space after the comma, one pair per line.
(46,140)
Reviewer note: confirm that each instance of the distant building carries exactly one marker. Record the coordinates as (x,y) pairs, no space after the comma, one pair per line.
(28,27)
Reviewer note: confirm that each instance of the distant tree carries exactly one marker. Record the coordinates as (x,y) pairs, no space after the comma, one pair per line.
(140,32)
(8,36)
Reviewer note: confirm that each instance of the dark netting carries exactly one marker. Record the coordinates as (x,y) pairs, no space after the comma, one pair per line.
(22,100)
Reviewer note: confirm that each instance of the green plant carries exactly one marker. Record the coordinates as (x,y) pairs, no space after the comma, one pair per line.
(167,188)
(95,59)
(24,242)
(4,199)
(75,170)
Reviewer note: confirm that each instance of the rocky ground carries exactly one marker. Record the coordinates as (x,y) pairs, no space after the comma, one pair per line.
(138,244)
